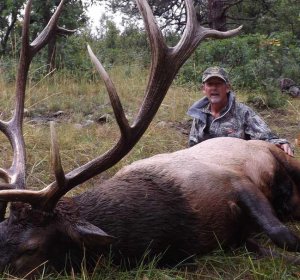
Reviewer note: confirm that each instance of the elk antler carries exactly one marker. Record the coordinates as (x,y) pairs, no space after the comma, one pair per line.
(165,63)
(14,176)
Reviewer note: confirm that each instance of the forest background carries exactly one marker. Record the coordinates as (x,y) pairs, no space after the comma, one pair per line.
(266,51)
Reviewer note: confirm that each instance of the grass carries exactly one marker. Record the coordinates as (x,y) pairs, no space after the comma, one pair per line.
(238,265)
(81,141)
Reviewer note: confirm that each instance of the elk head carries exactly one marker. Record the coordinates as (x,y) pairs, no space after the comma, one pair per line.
(38,219)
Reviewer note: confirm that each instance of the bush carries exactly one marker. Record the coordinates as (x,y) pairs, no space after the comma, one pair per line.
(254,62)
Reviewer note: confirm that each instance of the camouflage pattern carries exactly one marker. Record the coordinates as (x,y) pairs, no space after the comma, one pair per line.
(215,72)
(236,120)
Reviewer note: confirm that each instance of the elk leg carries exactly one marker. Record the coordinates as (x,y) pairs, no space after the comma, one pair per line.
(255,205)
(254,247)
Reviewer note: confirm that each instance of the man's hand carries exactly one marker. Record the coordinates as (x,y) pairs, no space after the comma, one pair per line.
(286,148)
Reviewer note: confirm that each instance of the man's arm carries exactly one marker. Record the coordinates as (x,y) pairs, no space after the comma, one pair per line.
(193,137)
(288,149)
(256,128)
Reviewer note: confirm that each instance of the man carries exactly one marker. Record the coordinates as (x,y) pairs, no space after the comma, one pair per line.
(219,114)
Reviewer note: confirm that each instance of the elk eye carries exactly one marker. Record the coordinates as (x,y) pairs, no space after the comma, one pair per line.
(30,251)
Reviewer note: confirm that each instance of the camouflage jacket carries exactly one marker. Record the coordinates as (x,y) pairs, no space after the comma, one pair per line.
(236,120)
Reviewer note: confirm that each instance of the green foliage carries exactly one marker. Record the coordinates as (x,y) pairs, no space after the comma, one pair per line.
(73,15)
(8,69)
(254,62)
(73,59)
(10,10)
(259,16)
(283,16)
(126,48)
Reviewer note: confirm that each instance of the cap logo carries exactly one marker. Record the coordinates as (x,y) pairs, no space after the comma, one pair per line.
(215,72)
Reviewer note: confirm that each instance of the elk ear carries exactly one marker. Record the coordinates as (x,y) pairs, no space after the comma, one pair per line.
(84,233)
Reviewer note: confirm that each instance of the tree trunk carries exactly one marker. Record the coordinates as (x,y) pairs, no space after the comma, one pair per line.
(10,27)
(217,14)
(51,56)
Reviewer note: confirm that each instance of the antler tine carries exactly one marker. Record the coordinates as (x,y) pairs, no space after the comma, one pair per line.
(156,39)
(194,33)
(113,96)
(159,50)
(14,176)
(28,51)
(13,130)
(9,193)
(165,63)
(50,30)
(55,157)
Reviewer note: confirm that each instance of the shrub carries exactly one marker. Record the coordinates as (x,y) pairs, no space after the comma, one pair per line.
(254,62)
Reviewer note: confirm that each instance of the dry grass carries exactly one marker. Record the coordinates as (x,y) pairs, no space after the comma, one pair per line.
(81,102)
(79,142)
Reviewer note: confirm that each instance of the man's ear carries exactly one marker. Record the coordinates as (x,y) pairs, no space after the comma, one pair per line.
(228,85)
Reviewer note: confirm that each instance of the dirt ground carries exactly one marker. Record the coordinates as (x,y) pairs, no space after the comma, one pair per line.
(284,122)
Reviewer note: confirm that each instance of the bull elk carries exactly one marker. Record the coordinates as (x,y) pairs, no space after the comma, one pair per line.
(179,204)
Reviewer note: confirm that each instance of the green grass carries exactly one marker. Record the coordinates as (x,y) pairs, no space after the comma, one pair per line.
(239,265)
(81,101)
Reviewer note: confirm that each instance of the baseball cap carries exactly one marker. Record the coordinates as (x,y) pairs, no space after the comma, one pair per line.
(215,72)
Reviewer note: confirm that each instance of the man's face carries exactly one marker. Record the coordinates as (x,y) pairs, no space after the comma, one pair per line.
(216,90)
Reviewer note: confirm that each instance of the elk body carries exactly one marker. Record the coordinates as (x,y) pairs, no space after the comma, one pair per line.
(191,201)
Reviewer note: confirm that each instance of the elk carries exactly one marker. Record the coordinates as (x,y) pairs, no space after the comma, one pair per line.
(178,205)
